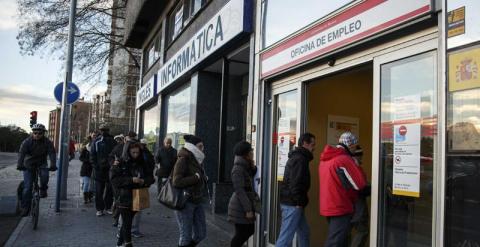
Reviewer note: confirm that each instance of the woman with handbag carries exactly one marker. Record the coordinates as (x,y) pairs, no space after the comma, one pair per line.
(189,175)
(243,203)
(127,175)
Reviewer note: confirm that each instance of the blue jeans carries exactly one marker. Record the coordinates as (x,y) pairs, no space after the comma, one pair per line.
(293,221)
(85,184)
(191,224)
(27,183)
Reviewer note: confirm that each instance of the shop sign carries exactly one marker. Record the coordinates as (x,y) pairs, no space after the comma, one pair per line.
(406,159)
(354,24)
(229,22)
(283,144)
(146,92)
(463,19)
(463,70)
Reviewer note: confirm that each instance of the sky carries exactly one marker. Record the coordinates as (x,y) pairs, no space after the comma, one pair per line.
(26,82)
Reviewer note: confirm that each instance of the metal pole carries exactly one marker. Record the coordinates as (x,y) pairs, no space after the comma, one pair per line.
(64,124)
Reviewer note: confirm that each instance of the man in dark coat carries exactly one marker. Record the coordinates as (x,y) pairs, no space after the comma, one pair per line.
(294,193)
(165,158)
(99,158)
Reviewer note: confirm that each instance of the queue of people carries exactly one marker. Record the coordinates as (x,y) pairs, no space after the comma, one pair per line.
(115,166)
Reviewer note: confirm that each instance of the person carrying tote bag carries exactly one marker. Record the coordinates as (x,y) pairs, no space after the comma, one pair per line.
(189,175)
(126,176)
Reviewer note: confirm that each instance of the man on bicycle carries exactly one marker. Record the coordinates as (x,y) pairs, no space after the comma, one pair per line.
(33,153)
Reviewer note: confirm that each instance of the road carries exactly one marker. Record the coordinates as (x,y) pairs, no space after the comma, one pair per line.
(9,179)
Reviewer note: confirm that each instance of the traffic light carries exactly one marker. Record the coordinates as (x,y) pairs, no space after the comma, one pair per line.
(33,118)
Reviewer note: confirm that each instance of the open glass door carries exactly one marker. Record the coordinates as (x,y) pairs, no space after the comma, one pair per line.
(406,147)
(286,112)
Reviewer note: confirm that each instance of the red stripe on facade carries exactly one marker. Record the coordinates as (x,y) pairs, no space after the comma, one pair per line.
(354,38)
(348,14)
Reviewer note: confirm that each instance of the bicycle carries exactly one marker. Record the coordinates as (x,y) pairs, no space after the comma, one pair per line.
(35,203)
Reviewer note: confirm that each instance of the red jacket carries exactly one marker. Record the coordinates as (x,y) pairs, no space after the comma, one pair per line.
(335,199)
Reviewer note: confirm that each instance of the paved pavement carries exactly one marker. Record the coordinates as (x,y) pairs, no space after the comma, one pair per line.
(77,225)
(9,179)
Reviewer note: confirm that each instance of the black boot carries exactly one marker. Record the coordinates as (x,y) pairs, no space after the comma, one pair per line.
(85,197)
(90,196)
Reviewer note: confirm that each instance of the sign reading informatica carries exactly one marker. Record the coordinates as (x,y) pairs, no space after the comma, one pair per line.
(147,92)
(233,19)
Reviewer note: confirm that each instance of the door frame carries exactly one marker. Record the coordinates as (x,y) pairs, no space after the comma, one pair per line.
(416,49)
(274,92)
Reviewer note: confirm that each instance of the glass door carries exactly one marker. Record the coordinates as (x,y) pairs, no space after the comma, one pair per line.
(406,146)
(286,110)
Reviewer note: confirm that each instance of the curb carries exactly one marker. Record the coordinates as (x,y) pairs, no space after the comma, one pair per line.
(13,237)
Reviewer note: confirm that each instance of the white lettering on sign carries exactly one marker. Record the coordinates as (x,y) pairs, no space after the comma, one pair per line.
(146,92)
(354,24)
(221,28)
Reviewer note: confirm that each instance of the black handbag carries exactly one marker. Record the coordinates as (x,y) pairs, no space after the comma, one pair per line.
(171,197)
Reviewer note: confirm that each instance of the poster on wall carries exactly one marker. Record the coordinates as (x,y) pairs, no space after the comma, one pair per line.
(407,107)
(406,159)
(463,69)
(337,125)
(283,150)
(463,19)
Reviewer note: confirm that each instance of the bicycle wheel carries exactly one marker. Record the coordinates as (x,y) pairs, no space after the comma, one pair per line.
(35,210)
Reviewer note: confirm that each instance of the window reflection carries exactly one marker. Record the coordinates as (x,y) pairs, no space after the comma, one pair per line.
(178,118)
(299,14)
(151,126)
(407,220)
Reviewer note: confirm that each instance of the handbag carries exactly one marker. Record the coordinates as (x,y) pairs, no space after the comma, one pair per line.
(172,197)
(141,199)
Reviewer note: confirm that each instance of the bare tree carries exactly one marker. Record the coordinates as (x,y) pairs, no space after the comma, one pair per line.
(43,28)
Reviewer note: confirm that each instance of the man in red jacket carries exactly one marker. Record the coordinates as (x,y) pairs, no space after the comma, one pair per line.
(340,181)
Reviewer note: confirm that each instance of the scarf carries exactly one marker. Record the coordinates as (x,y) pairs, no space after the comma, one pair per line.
(199,155)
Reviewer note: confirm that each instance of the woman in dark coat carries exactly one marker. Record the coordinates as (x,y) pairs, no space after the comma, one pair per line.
(241,208)
(86,171)
(189,175)
(126,175)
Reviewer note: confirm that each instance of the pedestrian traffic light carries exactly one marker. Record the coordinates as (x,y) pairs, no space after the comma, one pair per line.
(33,118)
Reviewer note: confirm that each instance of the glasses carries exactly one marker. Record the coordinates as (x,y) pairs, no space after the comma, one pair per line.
(37,133)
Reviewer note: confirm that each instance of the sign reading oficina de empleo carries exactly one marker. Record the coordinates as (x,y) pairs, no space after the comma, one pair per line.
(363,20)
(229,22)
(146,92)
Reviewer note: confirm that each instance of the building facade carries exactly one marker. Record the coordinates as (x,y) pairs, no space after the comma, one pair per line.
(196,78)
(400,74)
(79,122)
(54,126)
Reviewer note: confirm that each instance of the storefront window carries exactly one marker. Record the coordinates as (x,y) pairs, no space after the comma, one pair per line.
(462,199)
(179,116)
(298,13)
(407,151)
(151,126)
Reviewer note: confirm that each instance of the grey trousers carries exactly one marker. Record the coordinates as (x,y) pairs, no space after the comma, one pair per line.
(338,230)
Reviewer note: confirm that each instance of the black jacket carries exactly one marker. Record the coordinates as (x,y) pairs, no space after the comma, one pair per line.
(296,179)
(35,153)
(99,156)
(166,158)
(86,169)
(244,197)
(122,176)
(116,152)
(184,176)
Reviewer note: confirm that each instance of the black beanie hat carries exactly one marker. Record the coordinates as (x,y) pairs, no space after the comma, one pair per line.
(242,148)
(192,139)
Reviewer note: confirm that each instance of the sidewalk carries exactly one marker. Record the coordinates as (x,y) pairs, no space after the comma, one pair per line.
(77,225)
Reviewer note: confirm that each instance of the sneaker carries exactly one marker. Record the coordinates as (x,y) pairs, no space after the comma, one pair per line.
(109,212)
(43,193)
(100,213)
(137,235)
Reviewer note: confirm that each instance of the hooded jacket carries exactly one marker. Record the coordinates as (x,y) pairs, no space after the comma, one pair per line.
(335,199)
(296,179)
(99,156)
(35,153)
(184,175)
